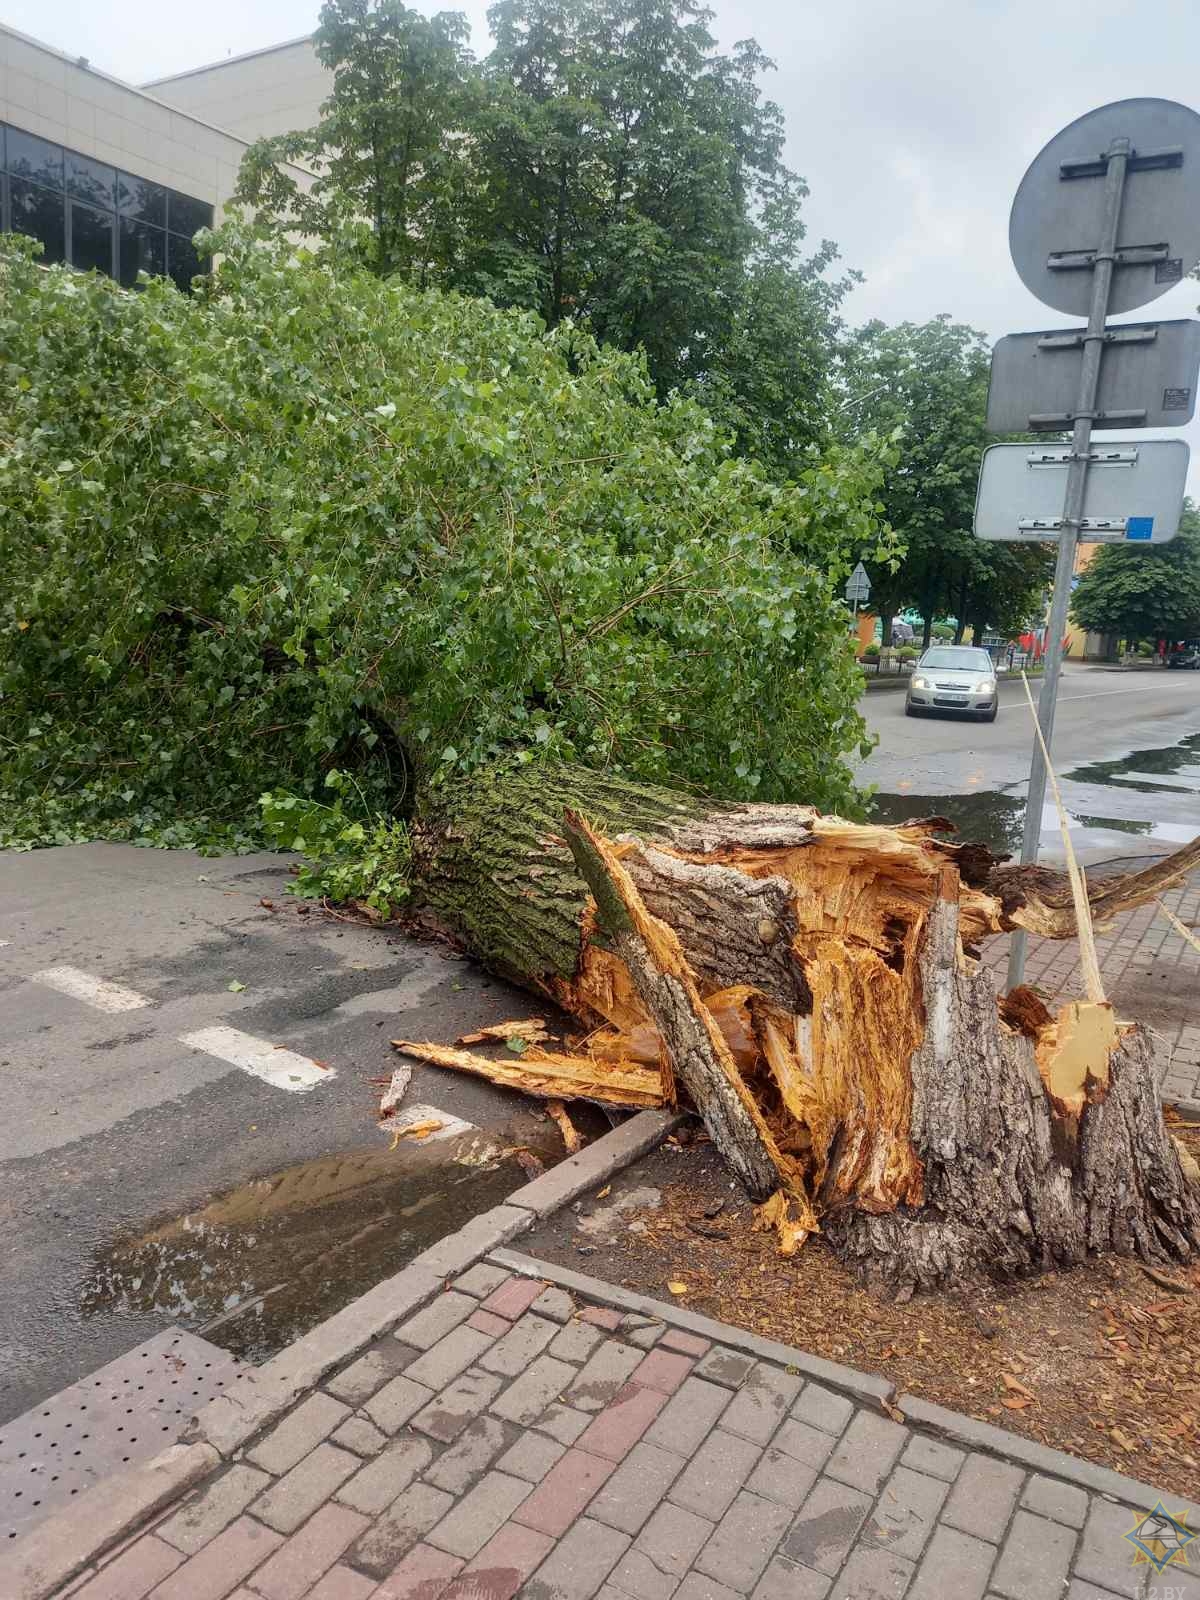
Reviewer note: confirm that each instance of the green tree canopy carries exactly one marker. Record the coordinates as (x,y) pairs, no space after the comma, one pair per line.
(309,518)
(607,163)
(1140,592)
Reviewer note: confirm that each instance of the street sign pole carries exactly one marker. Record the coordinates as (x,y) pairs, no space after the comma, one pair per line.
(1068,541)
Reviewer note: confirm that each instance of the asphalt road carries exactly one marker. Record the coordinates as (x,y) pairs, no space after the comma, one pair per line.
(110,1123)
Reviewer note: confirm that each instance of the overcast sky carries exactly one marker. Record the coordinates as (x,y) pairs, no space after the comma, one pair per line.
(912,120)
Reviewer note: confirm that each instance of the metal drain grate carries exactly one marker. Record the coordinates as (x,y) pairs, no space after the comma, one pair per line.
(124,1413)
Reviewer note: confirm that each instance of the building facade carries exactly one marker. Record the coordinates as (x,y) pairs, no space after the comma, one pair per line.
(109,176)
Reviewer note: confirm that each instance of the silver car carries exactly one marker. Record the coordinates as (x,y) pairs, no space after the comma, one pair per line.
(953,677)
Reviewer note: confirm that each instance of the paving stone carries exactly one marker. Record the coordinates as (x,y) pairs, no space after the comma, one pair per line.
(526,1399)
(601,1317)
(523,1342)
(982,1499)
(503,1564)
(637,1576)
(604,1376)
(689,1344)
(673,1538)
(300,1431)
(434,1321)
(343,1583)
(803,1442)
(487,1322)
(468,1526)
(203,1516)
(781,1477)
(564,1492)
(1034,1559)
(221,1565)
(761,1403)
(514,1298)
(532,1457)
(664,1370)
(623,1422)
(309,1553)
(563,1424)
(471,1454)
(872,1574)
(955,1564)
(784,1580)
(555,1304)
(645,1338)
(576,1341)
(637,1486)
(405,1522)
(443,1362)
(744,1541)
(459,1403)
(359,1435)
(378,1483)
(363,1377)
(823,1408)
(424,1574)
(929,1455)
(578,1564)
(905,1512)
(292,1498)
(1104,1552)
(1089,1591)
(827,1526)
(482,1279)
(714,1475)
(134,1573)
(396,1402)
(867,1451)
(690,1415)
(696,1586)
(726,1367)
(1061,1502)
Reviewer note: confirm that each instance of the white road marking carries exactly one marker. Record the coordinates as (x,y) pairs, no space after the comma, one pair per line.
(4,943)
(450,1128)
(1106,694)
(96,992)
(282,1069)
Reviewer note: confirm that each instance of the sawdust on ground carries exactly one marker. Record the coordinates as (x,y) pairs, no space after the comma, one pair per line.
(1101,1361)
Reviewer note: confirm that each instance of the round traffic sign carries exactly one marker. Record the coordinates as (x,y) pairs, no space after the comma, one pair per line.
(1056,215)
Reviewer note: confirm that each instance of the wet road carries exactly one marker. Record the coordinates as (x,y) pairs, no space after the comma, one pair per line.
(1126,747)
(128,1103)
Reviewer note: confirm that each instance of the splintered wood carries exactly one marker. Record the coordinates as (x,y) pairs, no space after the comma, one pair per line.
(805,985)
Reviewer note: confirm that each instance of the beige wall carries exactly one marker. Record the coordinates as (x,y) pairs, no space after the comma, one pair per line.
(271,91)
(47,93)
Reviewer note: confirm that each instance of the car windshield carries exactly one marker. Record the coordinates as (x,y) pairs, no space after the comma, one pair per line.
(958,659)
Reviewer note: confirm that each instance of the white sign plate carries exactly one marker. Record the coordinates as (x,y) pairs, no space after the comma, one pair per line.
(1135,491)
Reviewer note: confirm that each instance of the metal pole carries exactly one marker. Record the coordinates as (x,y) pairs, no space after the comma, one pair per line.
(1068,539)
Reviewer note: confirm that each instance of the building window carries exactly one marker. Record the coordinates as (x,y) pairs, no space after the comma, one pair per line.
(95,216)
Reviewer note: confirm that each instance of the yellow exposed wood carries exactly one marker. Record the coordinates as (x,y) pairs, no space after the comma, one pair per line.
(1073,1053)
(550,1076)
(533,1030)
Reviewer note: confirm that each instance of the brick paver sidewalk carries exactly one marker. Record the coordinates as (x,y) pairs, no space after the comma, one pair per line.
(1150,972)
(512,1439)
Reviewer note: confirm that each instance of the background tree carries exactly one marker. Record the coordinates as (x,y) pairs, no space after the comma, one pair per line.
(1139,593)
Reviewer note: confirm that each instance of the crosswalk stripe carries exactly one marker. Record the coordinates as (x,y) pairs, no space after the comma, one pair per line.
(450,1128)
(282,1069)
(92,991)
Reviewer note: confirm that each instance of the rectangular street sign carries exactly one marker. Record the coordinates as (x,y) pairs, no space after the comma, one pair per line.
(1134,491)
(1148,378)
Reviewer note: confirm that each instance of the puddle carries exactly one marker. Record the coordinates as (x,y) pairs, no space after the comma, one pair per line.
(988,817)
(1139,769)
(261,1264)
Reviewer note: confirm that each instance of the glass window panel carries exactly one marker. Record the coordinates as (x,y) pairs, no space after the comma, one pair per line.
(186,215)
(182,261)
(39,212)
(141,199)
(31,157)
(91,239)
(91,180)
(143,249)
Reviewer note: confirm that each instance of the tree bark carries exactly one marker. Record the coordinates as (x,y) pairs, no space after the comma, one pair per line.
(808,986)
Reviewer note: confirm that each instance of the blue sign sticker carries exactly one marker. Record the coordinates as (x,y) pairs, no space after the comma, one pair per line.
(1139,527)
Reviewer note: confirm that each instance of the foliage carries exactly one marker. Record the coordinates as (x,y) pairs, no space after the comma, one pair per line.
(606,163)
(1140,592)
(308,519)
(346,858)
(930,380)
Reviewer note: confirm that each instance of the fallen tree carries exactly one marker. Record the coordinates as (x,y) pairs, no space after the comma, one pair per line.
(812,988)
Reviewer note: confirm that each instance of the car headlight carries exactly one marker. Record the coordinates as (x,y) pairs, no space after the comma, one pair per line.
(988,687)
(921,683)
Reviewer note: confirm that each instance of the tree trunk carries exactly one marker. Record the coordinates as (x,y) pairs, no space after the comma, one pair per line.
(810,986)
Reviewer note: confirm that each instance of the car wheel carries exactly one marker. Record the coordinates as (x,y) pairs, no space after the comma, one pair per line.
(992,714)
(910,711)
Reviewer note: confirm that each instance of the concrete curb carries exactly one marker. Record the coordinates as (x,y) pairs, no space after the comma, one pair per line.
(860,1386)
(58,1549)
